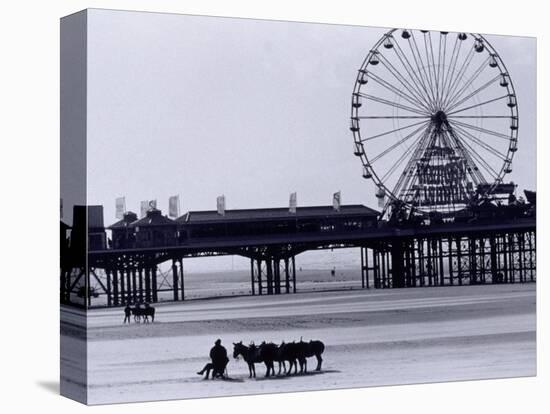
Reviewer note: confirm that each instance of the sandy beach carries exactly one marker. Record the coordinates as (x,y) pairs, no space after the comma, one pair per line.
(372,338)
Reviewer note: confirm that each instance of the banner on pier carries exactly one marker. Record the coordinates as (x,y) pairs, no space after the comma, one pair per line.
(144,206)
(336,201)
(174,206)
(120,207)
(293,203)
(220,201)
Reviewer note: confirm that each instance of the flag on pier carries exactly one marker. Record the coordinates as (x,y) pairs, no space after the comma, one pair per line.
(220,201)
(120,206)
(174,206)
(336,201)
(144,206)
(292,203)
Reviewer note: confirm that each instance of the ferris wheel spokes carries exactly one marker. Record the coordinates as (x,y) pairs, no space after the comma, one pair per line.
(363,140)
(456,81)
(396,144)
(413,74)
(477,105)
(401,79)
(480,129)
(455,95)
(431,68)
(415,149)
(482,144)
(452,66)
(394,104)
(472,153)
(397,91)
(421,69)
(453,104)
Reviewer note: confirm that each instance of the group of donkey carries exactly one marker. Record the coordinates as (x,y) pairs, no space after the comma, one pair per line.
(139,313)
(292,352)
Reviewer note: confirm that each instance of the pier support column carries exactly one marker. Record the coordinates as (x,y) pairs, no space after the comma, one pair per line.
(459,259)
(147,285)
(260,287)
(530,242)
(277,275)
(154,284)
(441,267)
(429,264)
(450,251)
(134,285)
(108,286)
(287,276)
(269,268)
(473,261)
(412,252)
(376,269)
(122,287)
(67,290)
(504,240)
(397,270)
(362,252)
(384,273)
(293,274)
(115,287)
(407,264)
(521,253)
(140,284)
(252,287)
(175,280)
(182,280)
(494,266)
(128,286)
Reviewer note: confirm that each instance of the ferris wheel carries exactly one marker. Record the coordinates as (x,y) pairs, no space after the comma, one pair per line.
(434,117)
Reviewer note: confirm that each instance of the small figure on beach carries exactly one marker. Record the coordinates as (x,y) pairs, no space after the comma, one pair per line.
(137,312)
(218,355)
(127,313)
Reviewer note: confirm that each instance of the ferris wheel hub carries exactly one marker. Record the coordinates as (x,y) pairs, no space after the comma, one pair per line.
(439,118)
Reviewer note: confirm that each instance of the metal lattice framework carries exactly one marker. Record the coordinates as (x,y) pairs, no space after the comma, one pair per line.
(434,117)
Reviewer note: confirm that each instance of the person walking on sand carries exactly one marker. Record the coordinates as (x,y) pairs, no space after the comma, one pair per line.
(127,313)
(218,355)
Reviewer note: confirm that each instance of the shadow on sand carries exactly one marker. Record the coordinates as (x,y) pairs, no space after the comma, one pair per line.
(227,379)
(286,377)
(50,386)
(272,378)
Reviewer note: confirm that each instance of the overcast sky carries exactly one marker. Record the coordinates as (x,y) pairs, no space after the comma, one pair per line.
(202,106)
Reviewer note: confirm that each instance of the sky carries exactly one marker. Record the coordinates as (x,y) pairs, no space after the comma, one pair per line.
(252,109)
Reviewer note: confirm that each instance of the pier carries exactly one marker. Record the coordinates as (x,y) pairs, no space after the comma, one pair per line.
(493,249)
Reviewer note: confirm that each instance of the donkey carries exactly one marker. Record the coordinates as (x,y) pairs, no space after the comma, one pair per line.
(268,354)
(307,350)
(280,357)
(251,355)
(289,352)
(145,312)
